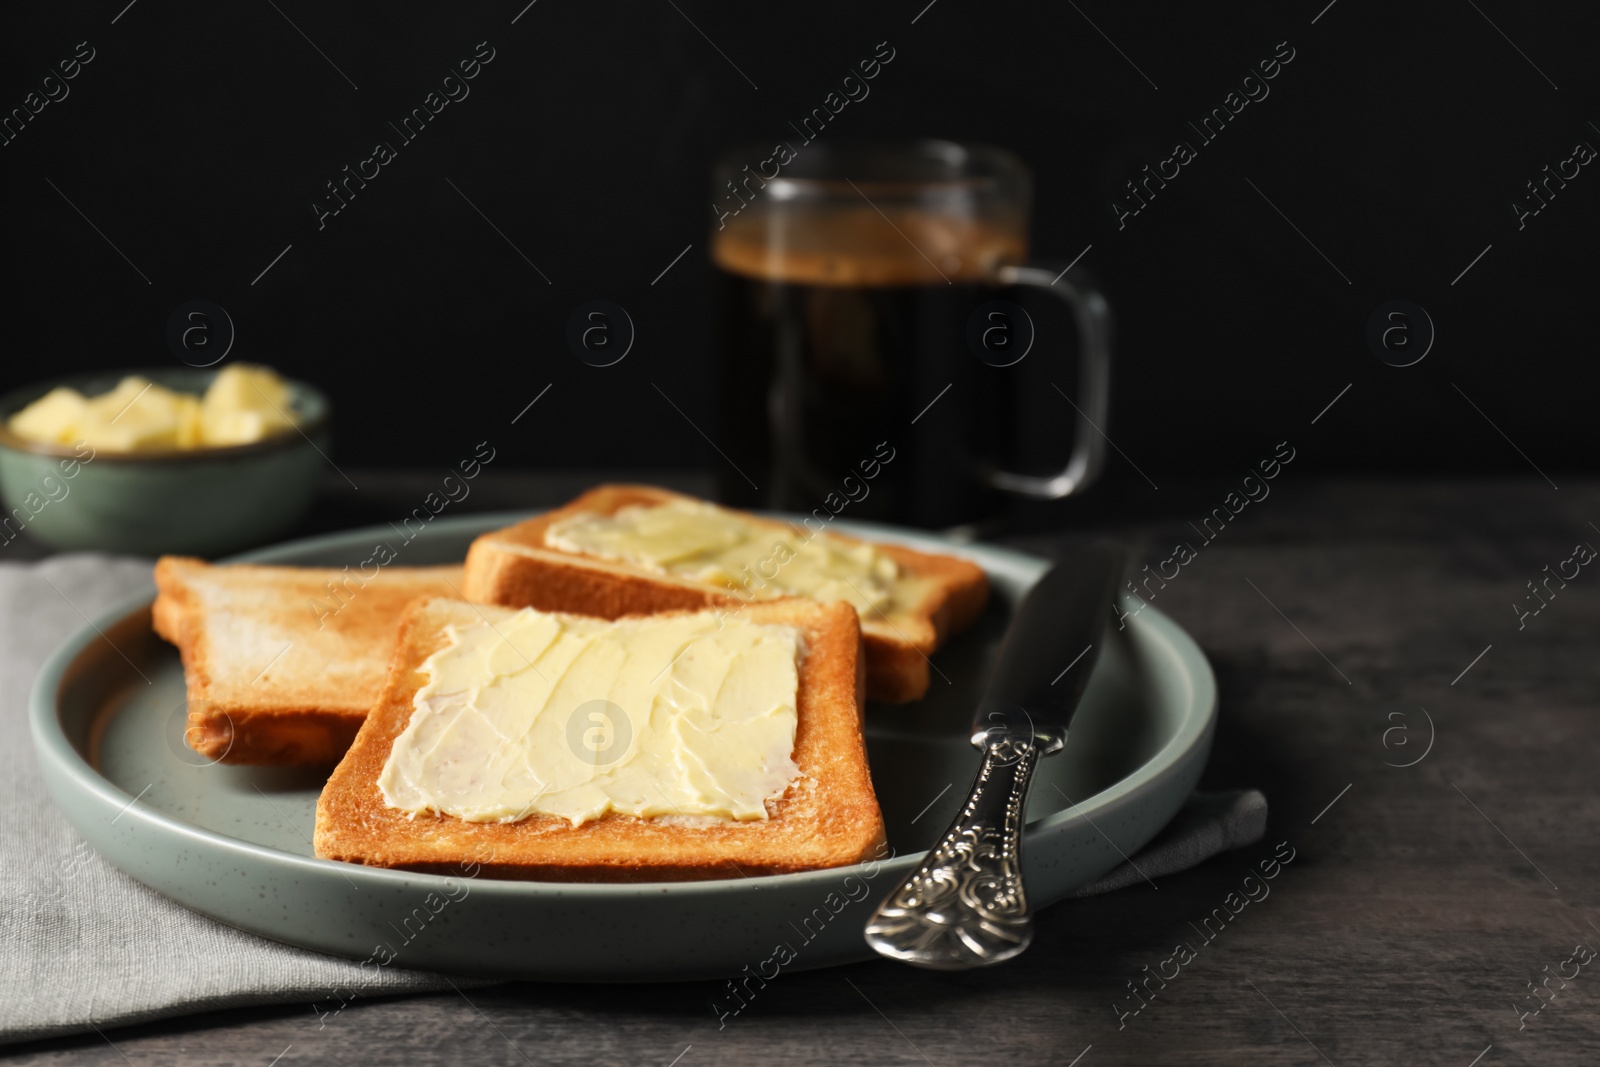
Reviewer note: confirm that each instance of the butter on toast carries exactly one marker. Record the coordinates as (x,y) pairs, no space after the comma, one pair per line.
(516,567)
(282,663)
(828,816)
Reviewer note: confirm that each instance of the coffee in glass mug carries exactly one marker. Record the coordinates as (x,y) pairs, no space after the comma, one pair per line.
(866,349)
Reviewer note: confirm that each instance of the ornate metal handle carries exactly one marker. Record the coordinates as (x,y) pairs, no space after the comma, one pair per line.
(965,906)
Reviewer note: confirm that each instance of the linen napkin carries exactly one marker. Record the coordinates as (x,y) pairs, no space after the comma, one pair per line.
(85,946)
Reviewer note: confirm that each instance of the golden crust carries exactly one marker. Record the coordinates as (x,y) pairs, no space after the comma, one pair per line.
(282,712)
(829,817)
(514,567)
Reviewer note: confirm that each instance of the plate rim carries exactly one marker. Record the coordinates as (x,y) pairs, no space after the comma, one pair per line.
(52,744)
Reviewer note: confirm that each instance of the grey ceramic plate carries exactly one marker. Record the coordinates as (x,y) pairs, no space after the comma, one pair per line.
(234,843)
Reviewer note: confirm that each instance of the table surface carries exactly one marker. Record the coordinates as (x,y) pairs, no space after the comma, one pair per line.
(1427,754)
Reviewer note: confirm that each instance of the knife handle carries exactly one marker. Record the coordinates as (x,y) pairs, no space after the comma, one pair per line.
(965,906)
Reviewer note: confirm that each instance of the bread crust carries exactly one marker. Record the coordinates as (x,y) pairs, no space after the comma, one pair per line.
(828,817)
(514,567)
(289,711)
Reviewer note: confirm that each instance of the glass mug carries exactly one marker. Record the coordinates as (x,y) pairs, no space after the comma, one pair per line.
(867,356)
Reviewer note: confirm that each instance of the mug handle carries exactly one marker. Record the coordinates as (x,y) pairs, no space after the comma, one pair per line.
(1093,316)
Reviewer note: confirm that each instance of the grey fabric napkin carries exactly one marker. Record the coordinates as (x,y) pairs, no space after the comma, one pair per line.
(1208,824)
(84,946)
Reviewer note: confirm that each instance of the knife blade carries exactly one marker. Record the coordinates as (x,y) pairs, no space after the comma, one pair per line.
(965,905)
(1029,691)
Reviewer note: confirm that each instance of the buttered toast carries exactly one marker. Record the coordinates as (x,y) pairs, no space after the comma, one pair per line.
(826,815)
(564,561)
(282,663)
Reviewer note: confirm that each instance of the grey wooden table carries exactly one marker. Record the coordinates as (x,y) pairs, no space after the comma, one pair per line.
(1429,756)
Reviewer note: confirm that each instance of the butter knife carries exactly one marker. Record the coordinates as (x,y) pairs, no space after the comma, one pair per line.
(965,905)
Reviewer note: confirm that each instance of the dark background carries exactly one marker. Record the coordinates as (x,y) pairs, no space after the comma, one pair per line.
(1396,139)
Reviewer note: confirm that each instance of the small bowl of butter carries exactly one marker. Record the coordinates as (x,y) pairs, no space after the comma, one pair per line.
(175,460)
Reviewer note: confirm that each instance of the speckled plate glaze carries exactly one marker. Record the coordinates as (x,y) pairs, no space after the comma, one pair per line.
(234,843)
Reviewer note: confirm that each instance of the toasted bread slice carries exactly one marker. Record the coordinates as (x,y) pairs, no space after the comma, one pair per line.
(828,816)
(515,567)
(282,663)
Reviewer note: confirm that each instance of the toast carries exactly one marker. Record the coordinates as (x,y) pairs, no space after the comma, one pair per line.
(828,816)
(282,663)
(516,567)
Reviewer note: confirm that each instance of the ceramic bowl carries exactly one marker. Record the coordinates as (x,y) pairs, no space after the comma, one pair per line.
(201,501)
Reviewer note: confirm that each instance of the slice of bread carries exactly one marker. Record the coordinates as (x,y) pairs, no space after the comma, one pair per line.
(828,817)
(515,567)
(282,663)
